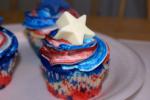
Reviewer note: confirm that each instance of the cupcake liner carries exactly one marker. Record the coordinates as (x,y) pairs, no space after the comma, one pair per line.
(74,83)
(77,85)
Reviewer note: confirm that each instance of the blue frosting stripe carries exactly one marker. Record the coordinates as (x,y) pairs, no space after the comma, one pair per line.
(6,61)
(50,75)
(8,54)
(68,47)
(92,62)
(12,48)
(6,45)
(60,70)
(54,5)
(87,43)
(42,20)
(47,14)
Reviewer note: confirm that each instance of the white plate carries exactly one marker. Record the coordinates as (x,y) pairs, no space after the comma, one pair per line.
(125,78)
(127,72)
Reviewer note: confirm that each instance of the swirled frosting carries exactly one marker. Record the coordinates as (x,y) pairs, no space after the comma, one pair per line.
(86,57)
(8,46)
(42,18)
(38,19)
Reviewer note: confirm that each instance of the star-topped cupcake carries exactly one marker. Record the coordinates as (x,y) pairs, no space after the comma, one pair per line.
(75,60)
(8,53)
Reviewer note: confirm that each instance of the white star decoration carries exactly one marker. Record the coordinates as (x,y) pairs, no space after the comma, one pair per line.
(73,29)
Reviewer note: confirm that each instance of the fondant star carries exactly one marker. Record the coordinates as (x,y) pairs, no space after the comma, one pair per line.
(73,29)
(54,5)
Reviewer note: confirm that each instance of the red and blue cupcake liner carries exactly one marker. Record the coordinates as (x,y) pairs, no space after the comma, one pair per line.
(75,84)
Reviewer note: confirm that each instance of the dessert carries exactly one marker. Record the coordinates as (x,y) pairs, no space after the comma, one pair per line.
(8,54)
(42,21)
(74,60)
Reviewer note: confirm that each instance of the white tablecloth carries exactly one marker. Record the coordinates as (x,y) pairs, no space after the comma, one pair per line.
(141,47)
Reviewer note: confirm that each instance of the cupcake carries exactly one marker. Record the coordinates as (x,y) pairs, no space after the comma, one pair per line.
(42,21)
(8,54)
(74,60)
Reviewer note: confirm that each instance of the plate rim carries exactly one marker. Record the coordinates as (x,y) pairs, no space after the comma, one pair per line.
(141,69)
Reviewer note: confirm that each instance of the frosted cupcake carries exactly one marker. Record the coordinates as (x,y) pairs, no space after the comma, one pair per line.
(42,21)
(75,61)
(8,54)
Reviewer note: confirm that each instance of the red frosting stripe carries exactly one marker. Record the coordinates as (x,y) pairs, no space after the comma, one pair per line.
(39,32)
(55,42)
(4,39)
(33,13)
(66,57)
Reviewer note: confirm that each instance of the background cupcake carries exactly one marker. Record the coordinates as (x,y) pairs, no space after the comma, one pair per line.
(75,61)
(8,54)
(42,21)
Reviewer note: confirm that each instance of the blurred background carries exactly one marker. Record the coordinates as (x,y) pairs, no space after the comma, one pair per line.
(118,18)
